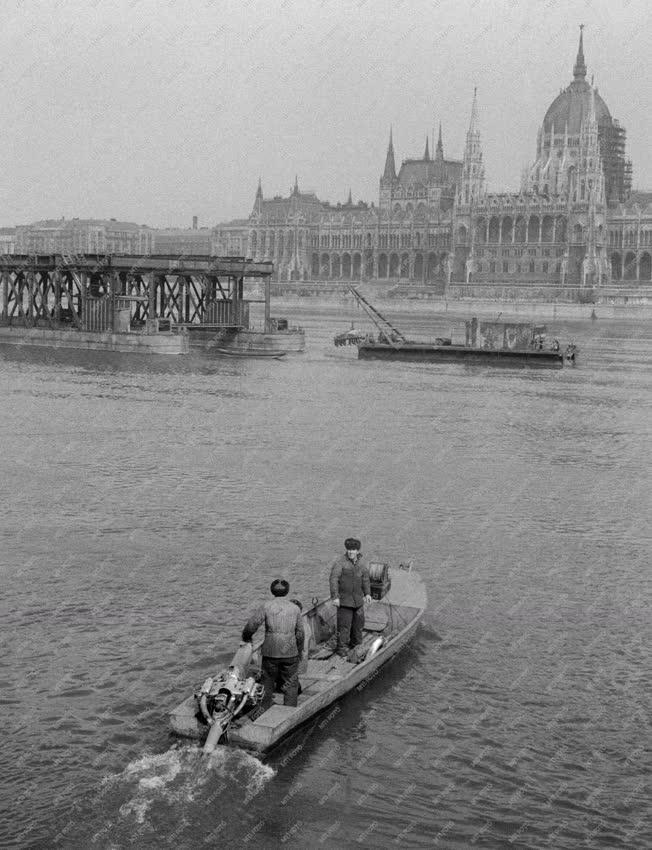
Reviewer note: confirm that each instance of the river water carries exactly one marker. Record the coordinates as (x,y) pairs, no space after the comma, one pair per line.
(147,503)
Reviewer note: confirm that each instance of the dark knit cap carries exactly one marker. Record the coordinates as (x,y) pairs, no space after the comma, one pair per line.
(352,543)
(280,587)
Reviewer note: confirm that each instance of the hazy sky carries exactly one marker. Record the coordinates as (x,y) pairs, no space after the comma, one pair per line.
(155,111)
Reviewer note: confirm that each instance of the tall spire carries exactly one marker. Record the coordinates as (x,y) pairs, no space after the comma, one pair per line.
(390,166)
(440,147)
(473,133)
(426,154)
(473,123)
(579,70)
(295,191)
(349,200)
(472,178)
(258,202)
(592,115)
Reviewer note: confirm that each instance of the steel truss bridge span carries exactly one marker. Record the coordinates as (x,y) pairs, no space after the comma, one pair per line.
(126,293)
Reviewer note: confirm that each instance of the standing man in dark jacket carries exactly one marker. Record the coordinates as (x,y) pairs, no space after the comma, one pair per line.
(283,644)
(350,588)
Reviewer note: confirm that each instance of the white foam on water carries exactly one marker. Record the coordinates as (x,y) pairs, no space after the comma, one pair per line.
(241,768)
(137,808)
(177,775)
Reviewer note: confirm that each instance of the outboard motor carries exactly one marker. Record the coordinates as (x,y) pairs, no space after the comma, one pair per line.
(227,695)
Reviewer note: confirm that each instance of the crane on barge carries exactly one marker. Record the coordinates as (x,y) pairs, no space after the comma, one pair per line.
(488,342)
(387,333)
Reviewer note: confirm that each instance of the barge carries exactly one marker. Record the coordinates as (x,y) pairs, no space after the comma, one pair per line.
(431,353)
(493,343)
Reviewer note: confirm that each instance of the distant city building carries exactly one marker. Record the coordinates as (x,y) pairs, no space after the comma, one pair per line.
(101,236)
(231,239)
(180,241)
(83,236)
(575,223)
(7,240)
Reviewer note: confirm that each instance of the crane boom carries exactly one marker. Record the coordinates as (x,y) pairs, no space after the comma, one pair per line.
(387,330)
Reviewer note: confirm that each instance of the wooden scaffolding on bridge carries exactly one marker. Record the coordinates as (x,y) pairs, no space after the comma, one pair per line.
(129,293)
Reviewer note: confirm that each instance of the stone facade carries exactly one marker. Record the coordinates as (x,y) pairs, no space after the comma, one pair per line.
(101,236)
(574,226)
(83,236)
(405,237)
(7,240)
(178,241)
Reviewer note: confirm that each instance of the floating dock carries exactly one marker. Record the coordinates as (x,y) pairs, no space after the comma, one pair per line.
(134,303)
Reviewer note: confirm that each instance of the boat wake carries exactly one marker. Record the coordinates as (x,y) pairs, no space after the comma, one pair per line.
(427,629)
(182,774)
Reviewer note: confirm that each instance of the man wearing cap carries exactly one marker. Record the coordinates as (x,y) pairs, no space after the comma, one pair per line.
(283,644)
(350,588)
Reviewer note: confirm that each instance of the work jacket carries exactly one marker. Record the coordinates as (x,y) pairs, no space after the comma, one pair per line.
(284,635)
(349,582)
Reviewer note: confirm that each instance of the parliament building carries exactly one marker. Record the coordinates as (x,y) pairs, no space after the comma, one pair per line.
(575,227)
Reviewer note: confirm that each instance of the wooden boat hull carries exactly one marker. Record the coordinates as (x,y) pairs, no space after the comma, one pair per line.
(323,680)
(425,352)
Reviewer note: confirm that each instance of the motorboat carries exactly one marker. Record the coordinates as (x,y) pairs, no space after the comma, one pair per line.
(226,708)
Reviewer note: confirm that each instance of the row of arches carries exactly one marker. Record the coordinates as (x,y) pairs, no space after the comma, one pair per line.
(335,266)
(271,242)
(418,266)
(509,230)
(630,238)
(629,266)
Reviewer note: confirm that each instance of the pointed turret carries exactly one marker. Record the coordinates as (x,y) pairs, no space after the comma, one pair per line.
(295,190)
(592,120)
(390,166)
(439,154)
(590,157)
(349,200)
(579,70)
(258,202)
(472,183)
(564,162)
(426,154)
(589,126)
(473,123)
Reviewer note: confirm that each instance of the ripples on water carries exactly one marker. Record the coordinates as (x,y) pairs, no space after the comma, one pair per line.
(148,503)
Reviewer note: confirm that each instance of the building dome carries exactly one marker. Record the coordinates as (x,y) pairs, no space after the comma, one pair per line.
(570,107)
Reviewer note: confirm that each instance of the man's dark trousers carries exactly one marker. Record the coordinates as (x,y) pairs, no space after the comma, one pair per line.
(280,674)
(350,622)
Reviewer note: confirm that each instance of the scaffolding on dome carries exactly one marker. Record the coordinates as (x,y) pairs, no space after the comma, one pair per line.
(617,169)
